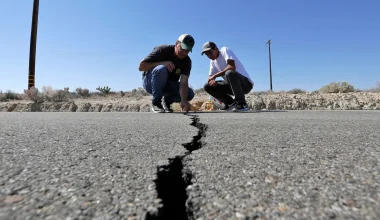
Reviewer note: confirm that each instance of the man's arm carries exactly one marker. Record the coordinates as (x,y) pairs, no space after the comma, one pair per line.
(230,66)
(155,58)
(184,88)
(146,66)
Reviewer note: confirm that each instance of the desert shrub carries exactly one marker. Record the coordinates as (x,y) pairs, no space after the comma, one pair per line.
(33,94)
(139,92)
(61,95)
(261,92)
(105,90)
(82,92)
(337,87)
(51,95)
(2,96)
(314,92)
(376,88)
(9,95)
(296,91)
(47,92)
(200,91)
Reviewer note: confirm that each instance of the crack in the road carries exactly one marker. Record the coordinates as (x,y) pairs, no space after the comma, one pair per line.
(172,181)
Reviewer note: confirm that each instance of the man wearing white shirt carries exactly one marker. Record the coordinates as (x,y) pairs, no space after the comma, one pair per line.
(224,63)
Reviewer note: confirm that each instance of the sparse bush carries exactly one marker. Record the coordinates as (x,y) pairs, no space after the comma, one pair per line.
(376,88)
(337,87)
(296,91)
(9,95)
(139,92)
(61,95)
(200,91)
(261,92)
(122,94)
(33,94)
(82,92)
(47,92)
(105,90)
(51,95)
(2,97)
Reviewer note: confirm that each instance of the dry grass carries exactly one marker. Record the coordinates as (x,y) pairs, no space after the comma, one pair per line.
(337,87)
(9,96)
(297,91)
(376,88)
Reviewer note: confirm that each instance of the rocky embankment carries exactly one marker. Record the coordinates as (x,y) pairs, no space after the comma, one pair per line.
(278,101)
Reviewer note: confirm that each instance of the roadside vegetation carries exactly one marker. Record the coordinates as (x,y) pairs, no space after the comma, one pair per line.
(48,94)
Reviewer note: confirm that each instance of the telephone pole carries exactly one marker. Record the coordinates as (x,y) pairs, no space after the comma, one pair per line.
(33,43)
(270,66)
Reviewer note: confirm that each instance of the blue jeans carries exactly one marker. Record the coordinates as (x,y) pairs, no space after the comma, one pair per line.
(156,82)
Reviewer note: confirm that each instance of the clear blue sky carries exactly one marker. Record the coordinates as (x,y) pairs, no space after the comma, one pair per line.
(91,43)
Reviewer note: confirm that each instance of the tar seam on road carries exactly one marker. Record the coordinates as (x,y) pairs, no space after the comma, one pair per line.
(172,181)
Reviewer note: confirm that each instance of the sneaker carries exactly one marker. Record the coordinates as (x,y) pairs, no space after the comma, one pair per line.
(228,107)
(241,107)
(157,108)
(167,107)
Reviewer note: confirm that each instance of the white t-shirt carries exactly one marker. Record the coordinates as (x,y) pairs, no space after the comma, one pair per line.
(220,63)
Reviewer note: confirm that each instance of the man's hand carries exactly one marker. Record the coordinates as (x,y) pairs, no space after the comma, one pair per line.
(212,82)
(185,106)
(169,65)
(211,78)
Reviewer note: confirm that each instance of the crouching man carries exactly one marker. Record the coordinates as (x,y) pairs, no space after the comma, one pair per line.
(224,63)
(166,72)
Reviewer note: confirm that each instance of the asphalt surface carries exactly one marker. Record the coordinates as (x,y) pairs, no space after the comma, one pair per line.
(288,165)
(85,165)
(260,165)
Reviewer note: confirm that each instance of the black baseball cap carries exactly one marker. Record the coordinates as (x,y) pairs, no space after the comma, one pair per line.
(208,46)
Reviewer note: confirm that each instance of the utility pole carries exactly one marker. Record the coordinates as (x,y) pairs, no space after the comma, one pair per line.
(33,43)
(270,66)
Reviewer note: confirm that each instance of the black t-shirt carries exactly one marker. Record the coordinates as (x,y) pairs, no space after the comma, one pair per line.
(166,53)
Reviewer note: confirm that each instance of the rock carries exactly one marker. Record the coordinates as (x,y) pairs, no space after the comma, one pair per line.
(196,104)
(95,107)
(84,107)
(13,199)
(207,106)
(11,107)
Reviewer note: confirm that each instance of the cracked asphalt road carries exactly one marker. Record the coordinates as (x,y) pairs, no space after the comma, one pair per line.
(85,166)
(288,165)
(266,165)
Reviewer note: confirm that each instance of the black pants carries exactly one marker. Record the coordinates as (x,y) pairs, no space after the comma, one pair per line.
(236,84)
